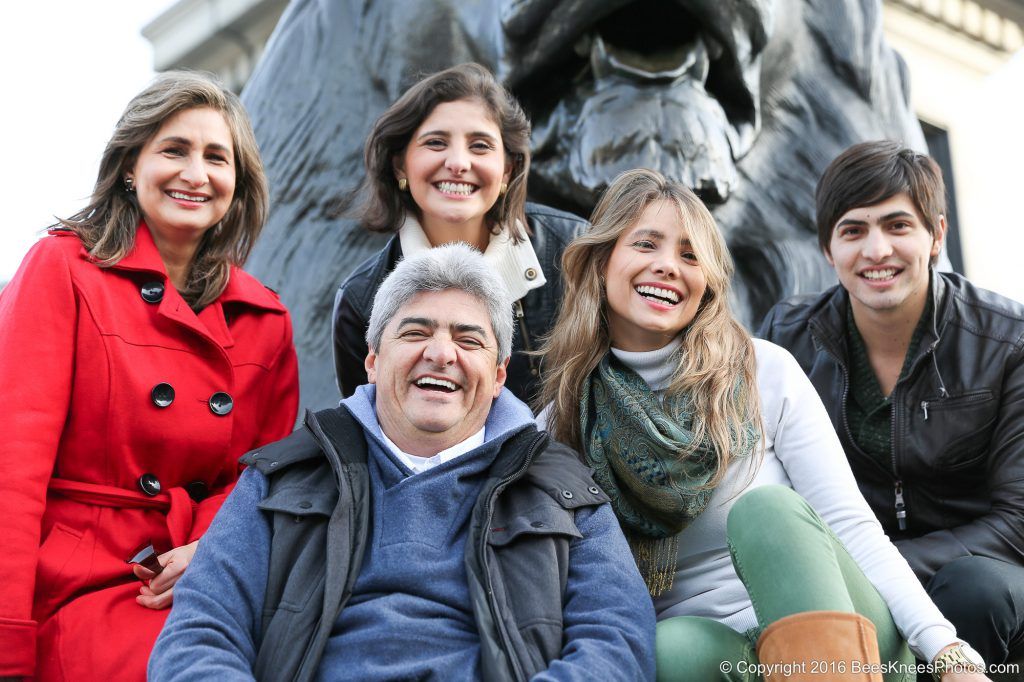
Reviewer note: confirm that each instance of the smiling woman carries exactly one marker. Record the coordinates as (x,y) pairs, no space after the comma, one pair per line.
(139,363)
(655,281)
(448,163)
(455,168)
(184,181)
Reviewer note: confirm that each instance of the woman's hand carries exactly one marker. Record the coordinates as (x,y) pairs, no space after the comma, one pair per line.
(158,592)
(965,677)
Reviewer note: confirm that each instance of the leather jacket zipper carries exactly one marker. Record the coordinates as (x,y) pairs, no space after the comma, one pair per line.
(943,393)
(893,406)
(944,400)
(900,501)
(901,507)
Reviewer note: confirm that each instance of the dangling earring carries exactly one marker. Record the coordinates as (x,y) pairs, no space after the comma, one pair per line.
(129,184)
(403,184)
(503,189)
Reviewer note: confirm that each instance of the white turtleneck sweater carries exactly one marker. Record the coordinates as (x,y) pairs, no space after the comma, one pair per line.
(801,452)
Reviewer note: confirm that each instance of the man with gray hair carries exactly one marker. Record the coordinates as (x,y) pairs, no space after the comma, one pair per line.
(422,530)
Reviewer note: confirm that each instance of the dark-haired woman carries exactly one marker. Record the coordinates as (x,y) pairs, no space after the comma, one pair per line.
(448,162)
(139,362)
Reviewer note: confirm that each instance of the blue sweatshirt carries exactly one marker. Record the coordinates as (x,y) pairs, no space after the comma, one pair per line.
(410,615)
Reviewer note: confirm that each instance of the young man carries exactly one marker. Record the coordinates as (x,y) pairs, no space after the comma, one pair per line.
(923,376)
(423,530)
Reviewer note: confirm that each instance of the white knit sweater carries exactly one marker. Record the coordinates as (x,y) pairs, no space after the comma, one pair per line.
(803,453)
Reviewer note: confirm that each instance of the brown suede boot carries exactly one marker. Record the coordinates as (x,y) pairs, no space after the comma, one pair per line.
(816,646)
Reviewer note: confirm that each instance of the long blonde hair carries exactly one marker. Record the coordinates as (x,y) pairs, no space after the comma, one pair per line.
(108,224)
(715,349)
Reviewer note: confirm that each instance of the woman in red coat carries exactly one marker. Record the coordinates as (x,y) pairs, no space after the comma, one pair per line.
(138,362)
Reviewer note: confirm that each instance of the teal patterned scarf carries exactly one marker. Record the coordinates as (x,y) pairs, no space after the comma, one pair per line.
(633,441)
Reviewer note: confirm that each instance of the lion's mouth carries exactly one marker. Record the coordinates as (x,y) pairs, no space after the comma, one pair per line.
(561,49)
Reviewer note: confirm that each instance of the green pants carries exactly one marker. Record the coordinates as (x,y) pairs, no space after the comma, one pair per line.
(790,561)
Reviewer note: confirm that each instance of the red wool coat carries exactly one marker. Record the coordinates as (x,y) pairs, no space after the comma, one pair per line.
(110,387)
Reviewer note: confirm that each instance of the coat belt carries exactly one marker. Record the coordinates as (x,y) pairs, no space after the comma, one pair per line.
(173,502)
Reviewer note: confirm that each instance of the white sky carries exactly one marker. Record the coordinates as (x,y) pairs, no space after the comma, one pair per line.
(67,69)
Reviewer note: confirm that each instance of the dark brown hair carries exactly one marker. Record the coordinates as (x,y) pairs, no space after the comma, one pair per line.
(385,205)
(108,224)
(871,172)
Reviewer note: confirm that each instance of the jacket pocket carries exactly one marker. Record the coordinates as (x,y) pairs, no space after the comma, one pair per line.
(964,427)
(966,399)
(298,517)
(529,573)
(53,587)
(300,500)
(542,520)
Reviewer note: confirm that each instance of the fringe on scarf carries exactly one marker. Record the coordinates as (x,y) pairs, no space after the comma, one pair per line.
(657,559)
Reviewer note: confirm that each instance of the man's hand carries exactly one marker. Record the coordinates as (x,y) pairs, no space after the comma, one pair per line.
(158,591)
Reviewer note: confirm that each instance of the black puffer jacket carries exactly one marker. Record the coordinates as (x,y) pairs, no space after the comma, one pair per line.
(551,231)
(958,420)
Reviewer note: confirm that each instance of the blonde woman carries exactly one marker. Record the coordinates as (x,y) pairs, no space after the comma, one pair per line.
(721,463)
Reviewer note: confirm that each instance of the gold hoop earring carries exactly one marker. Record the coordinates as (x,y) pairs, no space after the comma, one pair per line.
(503,189)
(403,184)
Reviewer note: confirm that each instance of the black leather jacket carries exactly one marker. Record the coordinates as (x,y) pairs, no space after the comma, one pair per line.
(551,231)
(958,420)
(319,505)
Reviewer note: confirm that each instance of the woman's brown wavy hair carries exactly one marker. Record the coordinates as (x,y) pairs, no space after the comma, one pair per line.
(385,206)
(108,224)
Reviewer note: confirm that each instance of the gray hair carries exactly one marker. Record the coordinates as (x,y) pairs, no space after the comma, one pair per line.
(451,266)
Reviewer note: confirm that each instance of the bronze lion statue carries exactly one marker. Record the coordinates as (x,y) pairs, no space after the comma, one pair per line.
(747,101)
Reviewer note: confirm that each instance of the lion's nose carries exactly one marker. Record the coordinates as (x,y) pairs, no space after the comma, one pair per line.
(665,65)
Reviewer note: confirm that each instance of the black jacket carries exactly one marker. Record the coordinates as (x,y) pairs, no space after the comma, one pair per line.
(319,504)
(551,229)
(958,420)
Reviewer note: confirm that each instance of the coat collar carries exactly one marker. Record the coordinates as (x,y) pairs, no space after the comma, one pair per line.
(144,256)
(210,323)
(244,288)
(241,288)
(515,263)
